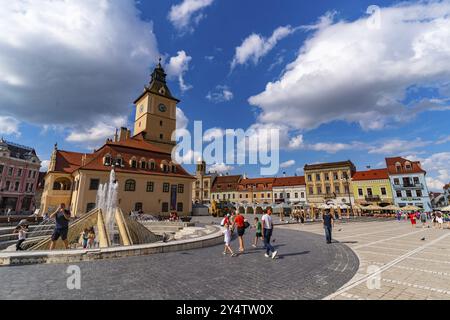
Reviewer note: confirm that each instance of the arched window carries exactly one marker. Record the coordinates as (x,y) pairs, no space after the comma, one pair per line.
(130,185)
(107,160)
(143,163)
(62,184)
(152,164)
(119,161)
(133,162)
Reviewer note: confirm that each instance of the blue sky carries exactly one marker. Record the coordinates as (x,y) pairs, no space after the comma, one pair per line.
(343,91)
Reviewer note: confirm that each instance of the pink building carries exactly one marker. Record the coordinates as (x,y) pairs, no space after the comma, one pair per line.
(19,173)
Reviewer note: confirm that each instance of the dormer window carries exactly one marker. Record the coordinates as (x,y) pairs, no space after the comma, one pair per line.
(119,161)
(143,164)
(398,167)
(408,166)
(107,160)
(133,163)
(152,165)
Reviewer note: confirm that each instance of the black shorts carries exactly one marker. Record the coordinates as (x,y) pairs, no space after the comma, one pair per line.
(259,235)
(60,233)
(241,232)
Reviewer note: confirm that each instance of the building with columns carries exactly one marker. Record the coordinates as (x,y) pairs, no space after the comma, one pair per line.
(329,183)
(19,173)
(148,178)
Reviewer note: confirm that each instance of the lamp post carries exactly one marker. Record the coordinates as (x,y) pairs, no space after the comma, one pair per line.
(348,191)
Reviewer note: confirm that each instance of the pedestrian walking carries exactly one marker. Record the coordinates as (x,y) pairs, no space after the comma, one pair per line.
(62,217)
(258,234)
(328,224)
(267,223)
(227,240)
(239,222)
(423,219)
(412,217)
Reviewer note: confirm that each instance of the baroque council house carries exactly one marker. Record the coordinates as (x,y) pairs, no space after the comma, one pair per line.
(148,178)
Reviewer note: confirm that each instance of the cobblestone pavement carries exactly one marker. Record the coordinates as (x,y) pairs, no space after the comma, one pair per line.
(307,268)
(397,261)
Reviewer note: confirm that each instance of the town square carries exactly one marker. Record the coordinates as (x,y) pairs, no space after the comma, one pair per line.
(179,151)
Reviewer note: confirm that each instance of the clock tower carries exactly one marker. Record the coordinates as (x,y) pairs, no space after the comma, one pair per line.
(156,112)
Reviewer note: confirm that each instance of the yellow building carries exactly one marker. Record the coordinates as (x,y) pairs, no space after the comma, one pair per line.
(148,178)
(201,188)
(329,182)
(372,187)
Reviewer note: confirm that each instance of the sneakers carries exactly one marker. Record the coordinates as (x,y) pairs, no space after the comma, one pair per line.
(224,253)
(274,254)
(234,255)
(254,245)
(267,256)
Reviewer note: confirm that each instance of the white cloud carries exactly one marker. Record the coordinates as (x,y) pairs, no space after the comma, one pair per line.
(220,168)
(69,63)
(177,67)
(44,165)
(438,169)
(347,71)
(182,120)
(397,146)
(255,46)
(287,164)
(188,13)
(9,126)
(221,94)
(96,135)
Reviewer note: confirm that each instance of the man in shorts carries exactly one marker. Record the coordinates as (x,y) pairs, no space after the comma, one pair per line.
(62,217)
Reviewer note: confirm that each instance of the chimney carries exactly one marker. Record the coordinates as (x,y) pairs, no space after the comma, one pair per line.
(128,134)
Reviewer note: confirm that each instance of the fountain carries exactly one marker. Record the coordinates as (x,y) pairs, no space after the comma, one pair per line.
(107,202)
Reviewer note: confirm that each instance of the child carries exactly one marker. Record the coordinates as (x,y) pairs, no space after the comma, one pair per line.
(22,231)
(91,238)
(227,239)
(85,238)
(258,235)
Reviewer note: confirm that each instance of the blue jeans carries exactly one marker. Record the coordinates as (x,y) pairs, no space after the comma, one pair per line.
(267,245)
(328,234)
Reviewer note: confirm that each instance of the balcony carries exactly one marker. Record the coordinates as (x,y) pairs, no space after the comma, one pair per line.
(373,198)
(329,196)
(408,186)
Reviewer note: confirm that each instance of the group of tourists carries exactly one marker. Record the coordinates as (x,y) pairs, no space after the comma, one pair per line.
(437,218)
(235,222)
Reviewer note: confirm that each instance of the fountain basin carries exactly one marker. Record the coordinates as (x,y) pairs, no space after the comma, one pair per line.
(215,237)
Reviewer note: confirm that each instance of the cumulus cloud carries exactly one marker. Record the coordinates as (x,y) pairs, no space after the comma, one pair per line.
(213,133)
(397,146)
(220,168)
(177,67)
(348,71)
(437,167)
(182,120)
(44,165)
(220,94)
(9,126)
(96,135)
(188,13)
(69,63)
(255,46)
(287,164)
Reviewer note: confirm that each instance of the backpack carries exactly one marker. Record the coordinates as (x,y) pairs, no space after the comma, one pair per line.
(246,225)
(222,223)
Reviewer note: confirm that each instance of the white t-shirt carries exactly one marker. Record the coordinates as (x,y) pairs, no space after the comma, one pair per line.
(227,235)
(267,221)
(22,235)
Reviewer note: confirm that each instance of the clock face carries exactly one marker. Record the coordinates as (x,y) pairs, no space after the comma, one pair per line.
(162,108)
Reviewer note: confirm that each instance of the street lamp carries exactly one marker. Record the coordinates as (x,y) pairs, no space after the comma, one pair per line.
(348,191)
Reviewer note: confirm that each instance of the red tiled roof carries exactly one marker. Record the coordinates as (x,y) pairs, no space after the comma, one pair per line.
(69,162)
(376,174)
(257,184)
(226,183)
(289,181)
(392,169)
